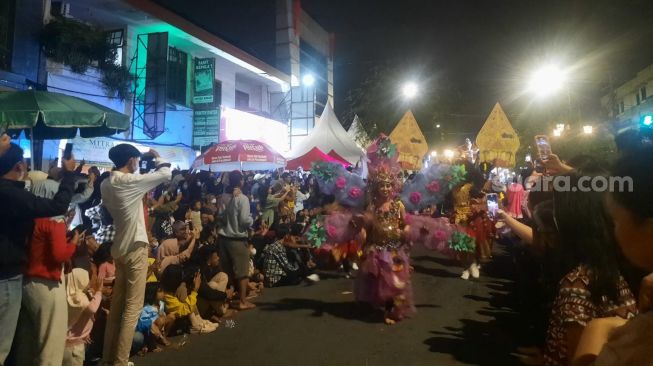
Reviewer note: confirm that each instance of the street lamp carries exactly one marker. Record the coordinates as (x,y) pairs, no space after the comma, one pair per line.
(588,129)
(308,80)
(448,153)
(437,126)
(409,90)
(434,154)
(546,80)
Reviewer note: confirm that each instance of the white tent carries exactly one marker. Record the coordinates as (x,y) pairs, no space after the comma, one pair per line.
(328,135)
(356,131)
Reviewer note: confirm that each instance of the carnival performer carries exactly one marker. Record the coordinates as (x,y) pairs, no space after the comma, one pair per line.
(384,277)
(380,225)
(470,215)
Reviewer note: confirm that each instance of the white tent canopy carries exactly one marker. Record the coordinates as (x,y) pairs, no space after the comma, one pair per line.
(356,130)
(328,135)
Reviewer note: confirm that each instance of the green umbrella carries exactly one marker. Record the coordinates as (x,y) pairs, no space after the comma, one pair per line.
(48,115)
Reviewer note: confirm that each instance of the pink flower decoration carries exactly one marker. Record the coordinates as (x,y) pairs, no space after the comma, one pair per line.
(440,235)
(332,231)
(415,197)
(433,187)
(355,192)
(341,182)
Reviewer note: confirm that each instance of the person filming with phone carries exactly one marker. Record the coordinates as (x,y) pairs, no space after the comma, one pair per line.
(122,194)
(16,225)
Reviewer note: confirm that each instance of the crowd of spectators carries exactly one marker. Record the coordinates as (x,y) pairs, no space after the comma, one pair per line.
(119,262)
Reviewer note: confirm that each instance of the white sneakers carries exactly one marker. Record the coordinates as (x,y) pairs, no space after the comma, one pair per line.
(473,270)
(313,278)
(354,266)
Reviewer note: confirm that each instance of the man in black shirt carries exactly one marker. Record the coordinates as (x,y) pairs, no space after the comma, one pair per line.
(17,215)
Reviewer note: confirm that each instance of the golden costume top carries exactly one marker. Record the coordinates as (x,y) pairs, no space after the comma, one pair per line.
(462,203)
(387,226)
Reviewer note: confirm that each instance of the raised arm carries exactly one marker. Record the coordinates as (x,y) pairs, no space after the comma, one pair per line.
(523,231)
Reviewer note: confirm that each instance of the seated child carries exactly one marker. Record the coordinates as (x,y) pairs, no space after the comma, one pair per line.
(83,302)
(182,304)
(106,269)
(153,320)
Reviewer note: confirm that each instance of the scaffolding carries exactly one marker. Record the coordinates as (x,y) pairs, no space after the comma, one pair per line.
(149,107)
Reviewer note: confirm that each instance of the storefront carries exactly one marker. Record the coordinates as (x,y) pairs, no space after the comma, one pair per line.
(95,151)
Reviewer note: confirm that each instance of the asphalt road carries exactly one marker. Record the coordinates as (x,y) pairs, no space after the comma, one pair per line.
(458,323)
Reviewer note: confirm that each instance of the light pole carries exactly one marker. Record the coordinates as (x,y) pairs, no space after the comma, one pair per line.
(547,80)
(410,90)
(550,79)
(308,80)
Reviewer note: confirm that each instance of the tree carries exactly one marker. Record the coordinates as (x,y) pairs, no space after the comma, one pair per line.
(378,102)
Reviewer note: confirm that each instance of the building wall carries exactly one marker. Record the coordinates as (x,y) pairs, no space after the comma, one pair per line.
(225,71)
(626,96)
(26,49)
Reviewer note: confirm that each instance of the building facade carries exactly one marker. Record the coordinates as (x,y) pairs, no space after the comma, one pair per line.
(630,102)
(305,51)
(190,88)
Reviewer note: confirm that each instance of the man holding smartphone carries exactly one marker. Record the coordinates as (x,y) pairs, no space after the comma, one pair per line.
(122,195)
(16,225)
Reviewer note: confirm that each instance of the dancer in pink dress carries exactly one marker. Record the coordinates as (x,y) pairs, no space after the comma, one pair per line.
(515,197)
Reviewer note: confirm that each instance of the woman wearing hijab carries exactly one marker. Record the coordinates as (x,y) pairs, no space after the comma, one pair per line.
(83,303)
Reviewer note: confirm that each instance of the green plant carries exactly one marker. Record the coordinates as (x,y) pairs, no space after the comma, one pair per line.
(80,46)
(117,81)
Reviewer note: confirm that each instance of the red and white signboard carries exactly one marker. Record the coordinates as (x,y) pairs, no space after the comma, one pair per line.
(239,155)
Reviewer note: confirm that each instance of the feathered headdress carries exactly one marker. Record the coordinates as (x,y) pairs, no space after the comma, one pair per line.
(383,166)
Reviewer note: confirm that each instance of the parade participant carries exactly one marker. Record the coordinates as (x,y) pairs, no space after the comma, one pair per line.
(466,201)
(122,194)
(384,278)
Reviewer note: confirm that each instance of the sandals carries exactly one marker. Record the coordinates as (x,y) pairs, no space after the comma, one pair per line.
(203,330)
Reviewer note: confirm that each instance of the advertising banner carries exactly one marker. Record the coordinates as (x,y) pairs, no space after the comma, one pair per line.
(204,79)
(206,127)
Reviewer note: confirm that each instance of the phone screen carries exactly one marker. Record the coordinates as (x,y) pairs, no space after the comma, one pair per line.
(492,201)
(543,146)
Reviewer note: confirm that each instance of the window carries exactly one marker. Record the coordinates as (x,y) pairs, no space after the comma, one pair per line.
(242,100)
(116,40)
(621,107)
(642,92)
(177,75)
(638,98)
(7,10)
(311,61)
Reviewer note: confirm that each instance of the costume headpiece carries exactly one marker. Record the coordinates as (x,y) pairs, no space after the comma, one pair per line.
(383,165)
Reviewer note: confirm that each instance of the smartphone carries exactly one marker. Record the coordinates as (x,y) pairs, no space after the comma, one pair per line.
(147,162)
(543,146)
(539,166)
(492,201)
(68,151)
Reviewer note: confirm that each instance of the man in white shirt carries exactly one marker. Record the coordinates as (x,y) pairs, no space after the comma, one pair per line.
(122,194)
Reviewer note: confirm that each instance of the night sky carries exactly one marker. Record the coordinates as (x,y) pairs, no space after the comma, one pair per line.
(485,49)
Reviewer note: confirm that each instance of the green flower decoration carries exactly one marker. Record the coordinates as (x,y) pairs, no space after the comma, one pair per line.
(316,234)
(324,171)
(387,148)
(461,242)
(456,175)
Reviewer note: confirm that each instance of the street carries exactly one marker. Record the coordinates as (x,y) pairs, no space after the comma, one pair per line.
(458,323)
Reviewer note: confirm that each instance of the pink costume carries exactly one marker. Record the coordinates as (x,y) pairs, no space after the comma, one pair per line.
(515,196)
